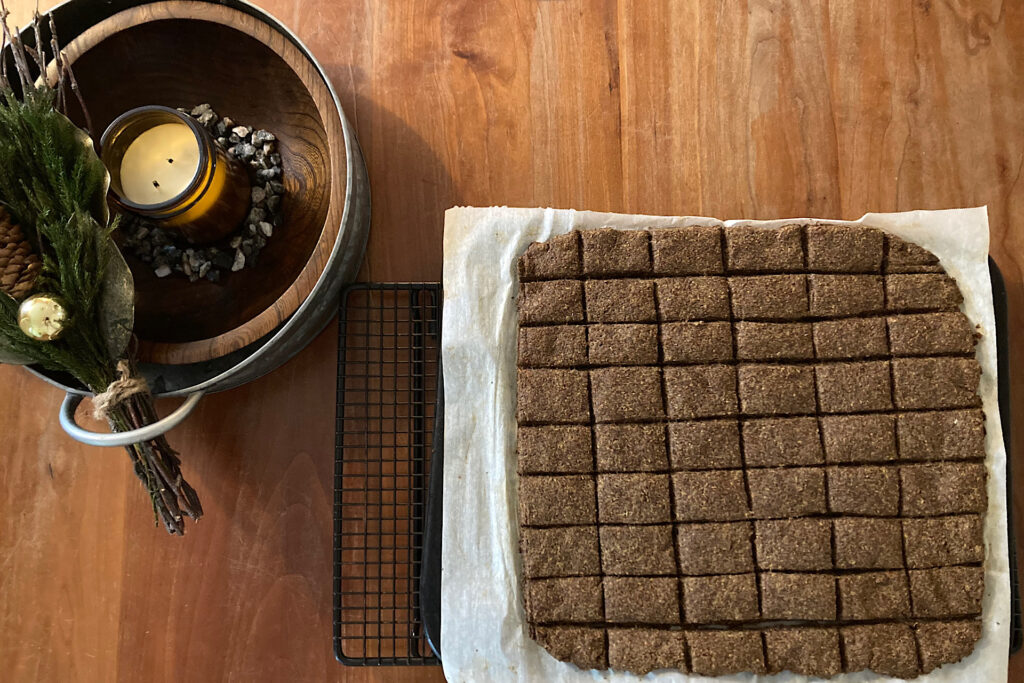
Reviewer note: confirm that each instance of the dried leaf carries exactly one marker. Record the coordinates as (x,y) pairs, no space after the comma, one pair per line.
(117,303)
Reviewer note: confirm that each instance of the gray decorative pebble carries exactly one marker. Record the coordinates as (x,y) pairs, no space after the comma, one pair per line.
(168,252)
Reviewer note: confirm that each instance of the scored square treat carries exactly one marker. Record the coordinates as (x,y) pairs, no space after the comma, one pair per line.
(774,341)
(778,441)
(553,301)
(798,596)
(922,383)
(874,595)
(554,448)
(850,338)
(943,488)
(630,600)
(637,550)
(871,491)
(557,346)
(704,445)
(622,394)
(642,650)
(930,333)
(946,435)
(692,298)
(572,599)
(720,599)
(769,297)
(905,257)
(553,396)
(947,591)
(700,391)
(715,495)
(698,342)
(793,544)
(555,259)
(620,301)
(633,498)
(808,651)
(695,250)
(844,249)
(624,344)
(756,249)
(717,653)
(724,548)
(922,292)
(776,389)
(859,438)
(940,642)
(581,645)
(630,447)
(559,499)
(778,493)
(944,540)
(868,543)
(886,649)
(607,251)
(560,551)
(838,295)
(854,387)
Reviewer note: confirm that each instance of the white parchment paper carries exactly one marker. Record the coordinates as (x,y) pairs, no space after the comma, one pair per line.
(483,629)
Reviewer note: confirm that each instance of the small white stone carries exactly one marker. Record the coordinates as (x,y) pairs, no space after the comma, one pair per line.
(162,271)
(258,194)
(266,228)
(235,241)
(240,131)
(239,261)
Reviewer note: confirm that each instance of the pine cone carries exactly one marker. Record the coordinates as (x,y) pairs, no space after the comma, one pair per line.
(19,264)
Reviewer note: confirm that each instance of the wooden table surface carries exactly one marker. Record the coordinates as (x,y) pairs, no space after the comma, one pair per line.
(728,109)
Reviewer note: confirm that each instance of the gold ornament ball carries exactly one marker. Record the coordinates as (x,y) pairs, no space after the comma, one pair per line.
(42,317)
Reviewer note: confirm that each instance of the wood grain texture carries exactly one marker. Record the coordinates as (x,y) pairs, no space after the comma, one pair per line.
(755,109)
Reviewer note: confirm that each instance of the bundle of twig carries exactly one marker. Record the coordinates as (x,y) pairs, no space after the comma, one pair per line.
(53,187)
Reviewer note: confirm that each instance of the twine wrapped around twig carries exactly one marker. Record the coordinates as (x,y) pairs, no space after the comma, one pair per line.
(120,390)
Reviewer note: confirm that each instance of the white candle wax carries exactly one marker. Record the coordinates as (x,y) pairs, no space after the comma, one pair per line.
(159,164)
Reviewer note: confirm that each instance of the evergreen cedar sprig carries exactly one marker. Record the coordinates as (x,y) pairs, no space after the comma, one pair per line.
(54,188)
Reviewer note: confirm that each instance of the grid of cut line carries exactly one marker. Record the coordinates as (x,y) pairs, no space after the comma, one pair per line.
(387,387)
(632,394)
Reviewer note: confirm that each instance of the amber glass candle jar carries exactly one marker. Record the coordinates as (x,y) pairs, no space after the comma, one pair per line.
(165,166)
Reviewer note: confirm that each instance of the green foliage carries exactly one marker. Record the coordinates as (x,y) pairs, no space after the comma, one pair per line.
(55,186)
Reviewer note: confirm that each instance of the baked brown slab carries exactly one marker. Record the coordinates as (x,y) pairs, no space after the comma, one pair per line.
(720,599)
(715,548)
(793,544)
(809,651)
(717,653)
(775,442)
(623,344)
(798,596)
(689,251)
(642,650)
(736,443)
(704,445)
(553,449)
(852,338)
(637,550)
(630,447)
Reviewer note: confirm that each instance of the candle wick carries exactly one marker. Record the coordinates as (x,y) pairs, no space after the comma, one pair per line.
(156,184)
(170,161)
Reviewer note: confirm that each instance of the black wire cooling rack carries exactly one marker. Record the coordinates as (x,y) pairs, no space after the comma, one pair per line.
(388,379)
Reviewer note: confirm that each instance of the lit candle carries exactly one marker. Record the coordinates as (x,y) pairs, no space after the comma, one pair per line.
(160,164)
(165,166)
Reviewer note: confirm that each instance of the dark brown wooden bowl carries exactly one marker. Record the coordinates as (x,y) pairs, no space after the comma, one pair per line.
(180,54)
